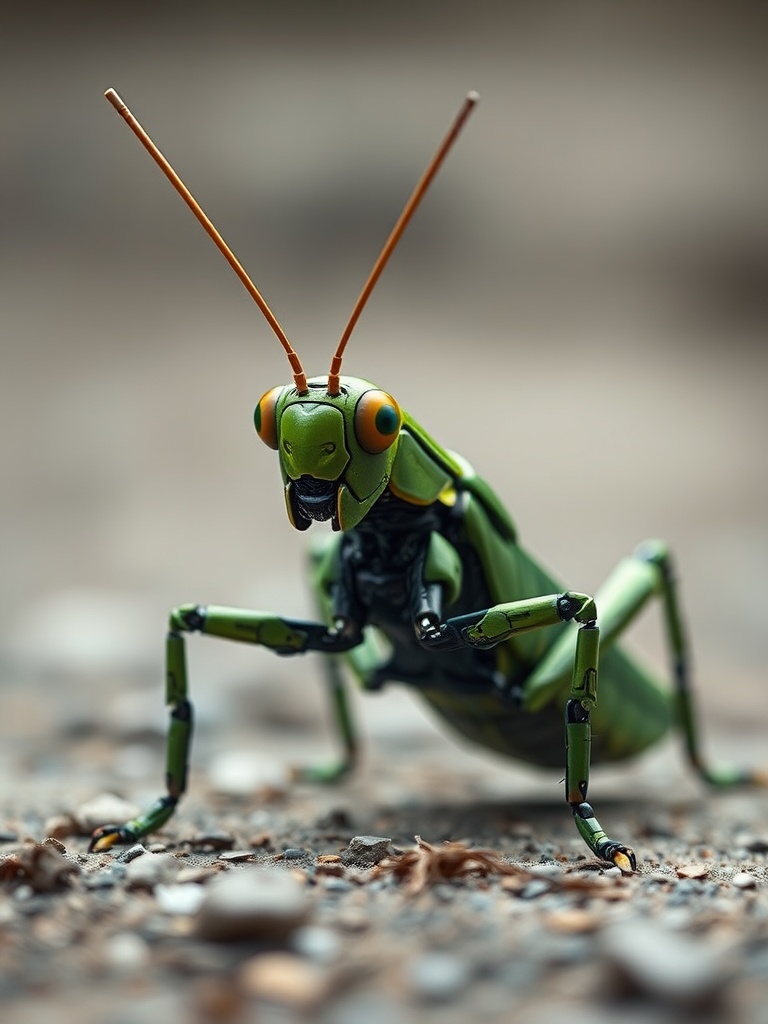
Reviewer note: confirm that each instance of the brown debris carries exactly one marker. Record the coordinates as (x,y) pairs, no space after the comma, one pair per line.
(41,866)
(428,865)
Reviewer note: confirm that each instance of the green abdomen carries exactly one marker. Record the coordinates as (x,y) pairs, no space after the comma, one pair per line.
(632,713)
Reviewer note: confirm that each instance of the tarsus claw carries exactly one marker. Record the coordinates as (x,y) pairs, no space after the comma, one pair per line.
(624,861)
(107,836)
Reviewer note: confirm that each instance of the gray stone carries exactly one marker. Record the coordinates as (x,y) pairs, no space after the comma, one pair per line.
(365,851)
(151,869)
(322,945)
(126,953)
(295,853)
(184,898)
(106,879)
(131,853)
(252,903)
(438,977)
(650,960)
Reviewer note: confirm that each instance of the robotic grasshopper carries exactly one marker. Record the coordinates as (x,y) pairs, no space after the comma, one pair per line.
(423,554)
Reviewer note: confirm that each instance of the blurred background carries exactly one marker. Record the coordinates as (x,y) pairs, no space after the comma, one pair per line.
(579,308)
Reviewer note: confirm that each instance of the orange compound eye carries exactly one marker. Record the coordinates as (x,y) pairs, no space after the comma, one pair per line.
(377,421)
(264,417)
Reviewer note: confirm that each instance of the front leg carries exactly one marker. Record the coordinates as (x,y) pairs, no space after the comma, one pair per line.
(578,733)
(487,628)
(284,636)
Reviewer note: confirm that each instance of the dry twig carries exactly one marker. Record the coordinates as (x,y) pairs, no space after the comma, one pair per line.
(427,865)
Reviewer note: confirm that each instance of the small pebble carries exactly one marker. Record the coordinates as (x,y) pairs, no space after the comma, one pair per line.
(438,977)
(55,844)
(126,952)
(532,890)
(184,898)
(131,853)
(295,853)
(107,878)
(693,871)
(236,856)
(335,884)
(743,880)
(322,945)
(652,961)
(151,869)
(573,921)
(353,919)
(198,874)
(252,903)
(285,979)
(60,826)
(365,851)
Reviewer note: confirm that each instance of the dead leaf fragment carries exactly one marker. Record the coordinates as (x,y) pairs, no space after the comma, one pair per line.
(692,871)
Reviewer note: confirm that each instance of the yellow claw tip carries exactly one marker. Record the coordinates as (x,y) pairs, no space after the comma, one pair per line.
(104,843)
(623,863)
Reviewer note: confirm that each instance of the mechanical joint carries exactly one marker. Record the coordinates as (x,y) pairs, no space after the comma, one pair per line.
(188,618)
(575,712)
(580,607)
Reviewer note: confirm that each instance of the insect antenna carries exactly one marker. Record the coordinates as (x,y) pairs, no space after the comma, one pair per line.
(389,246)
(120,106)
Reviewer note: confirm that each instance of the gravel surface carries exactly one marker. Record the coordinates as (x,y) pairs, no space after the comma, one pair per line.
(347,904)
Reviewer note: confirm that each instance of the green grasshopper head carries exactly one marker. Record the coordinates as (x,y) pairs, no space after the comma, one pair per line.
(337,436)
(336,450)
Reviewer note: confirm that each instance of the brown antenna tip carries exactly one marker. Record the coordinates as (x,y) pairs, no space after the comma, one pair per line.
(115,99)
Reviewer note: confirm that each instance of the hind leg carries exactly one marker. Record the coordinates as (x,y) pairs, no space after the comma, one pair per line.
(656,554)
